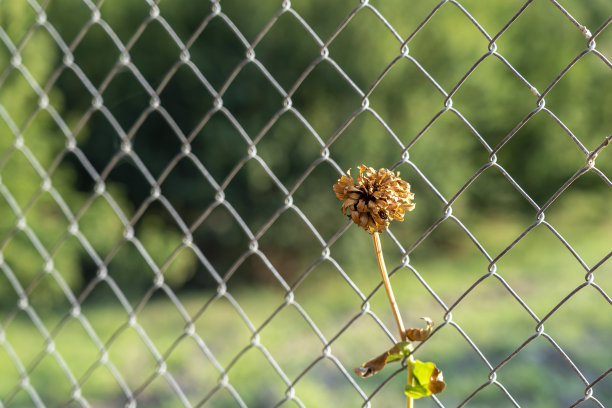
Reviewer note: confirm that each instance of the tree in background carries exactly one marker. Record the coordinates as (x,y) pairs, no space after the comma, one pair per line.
(540,157)
(46,183)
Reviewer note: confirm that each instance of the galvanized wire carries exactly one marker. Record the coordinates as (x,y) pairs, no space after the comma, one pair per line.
(126,152)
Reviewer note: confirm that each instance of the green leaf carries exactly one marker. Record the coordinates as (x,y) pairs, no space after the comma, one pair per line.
(427,379)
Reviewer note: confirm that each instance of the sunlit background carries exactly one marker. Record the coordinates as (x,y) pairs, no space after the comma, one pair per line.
(169,235)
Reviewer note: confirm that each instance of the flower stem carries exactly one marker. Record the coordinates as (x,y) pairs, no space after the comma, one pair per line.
(387,284)
(410,403)
(394,308)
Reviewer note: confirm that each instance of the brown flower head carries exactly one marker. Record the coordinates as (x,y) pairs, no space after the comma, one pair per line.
(376,198)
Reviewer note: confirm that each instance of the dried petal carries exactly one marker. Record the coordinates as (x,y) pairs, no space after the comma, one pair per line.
(420,334)
(373,366)
(436,381)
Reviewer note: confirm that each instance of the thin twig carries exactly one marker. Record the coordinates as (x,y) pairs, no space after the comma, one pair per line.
(394,308)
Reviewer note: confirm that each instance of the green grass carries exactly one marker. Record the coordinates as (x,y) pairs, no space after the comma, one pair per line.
(539,269)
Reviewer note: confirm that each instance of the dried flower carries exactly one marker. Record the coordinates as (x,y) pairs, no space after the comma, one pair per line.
(376,198)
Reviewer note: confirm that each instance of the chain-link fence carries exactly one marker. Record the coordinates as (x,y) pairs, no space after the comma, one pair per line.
(169,233)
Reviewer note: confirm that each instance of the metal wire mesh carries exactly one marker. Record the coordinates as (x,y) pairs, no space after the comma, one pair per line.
(189,392)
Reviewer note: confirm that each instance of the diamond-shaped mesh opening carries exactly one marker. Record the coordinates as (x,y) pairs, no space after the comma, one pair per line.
(544,360)
(90,225)
(248,88)
(169,235)
(33,52)
(343,305)
(589,73)
(80,13)
(306,340)
(449,66)
(230,319)
(217,52)
(186,99)
(29,266)
(197,379)
(148,318)
(523,54)
(127,20)
(126,99)
(490,303)
(165,139)
(73,109)
(126,203)
(264,199)
(211,152)
(138,366)
(147,55)
(375,41)
(78,359)
(96,69)
(218,223)
(326,82)
(583,345)
(521,269)
(358,133)
(10,373)
(289,265)
(47,220)
(546,139)
(584,217)
(129,264)
(407,113)
(464,355)
(106,146)
(16,108)
(458,155)
(254,376)
(310,209)
(253,268)
(24,16)
(20,192)
(102,377)
(507,101)
(59,390)
(295,40)
(45,291)
(469,266)
(326,370)
(288,133)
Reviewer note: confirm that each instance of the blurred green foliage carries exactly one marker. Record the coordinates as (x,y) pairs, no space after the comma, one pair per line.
(540,157)
(44,158)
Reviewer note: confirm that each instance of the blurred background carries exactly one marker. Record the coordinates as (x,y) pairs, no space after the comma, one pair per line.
(148,152)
